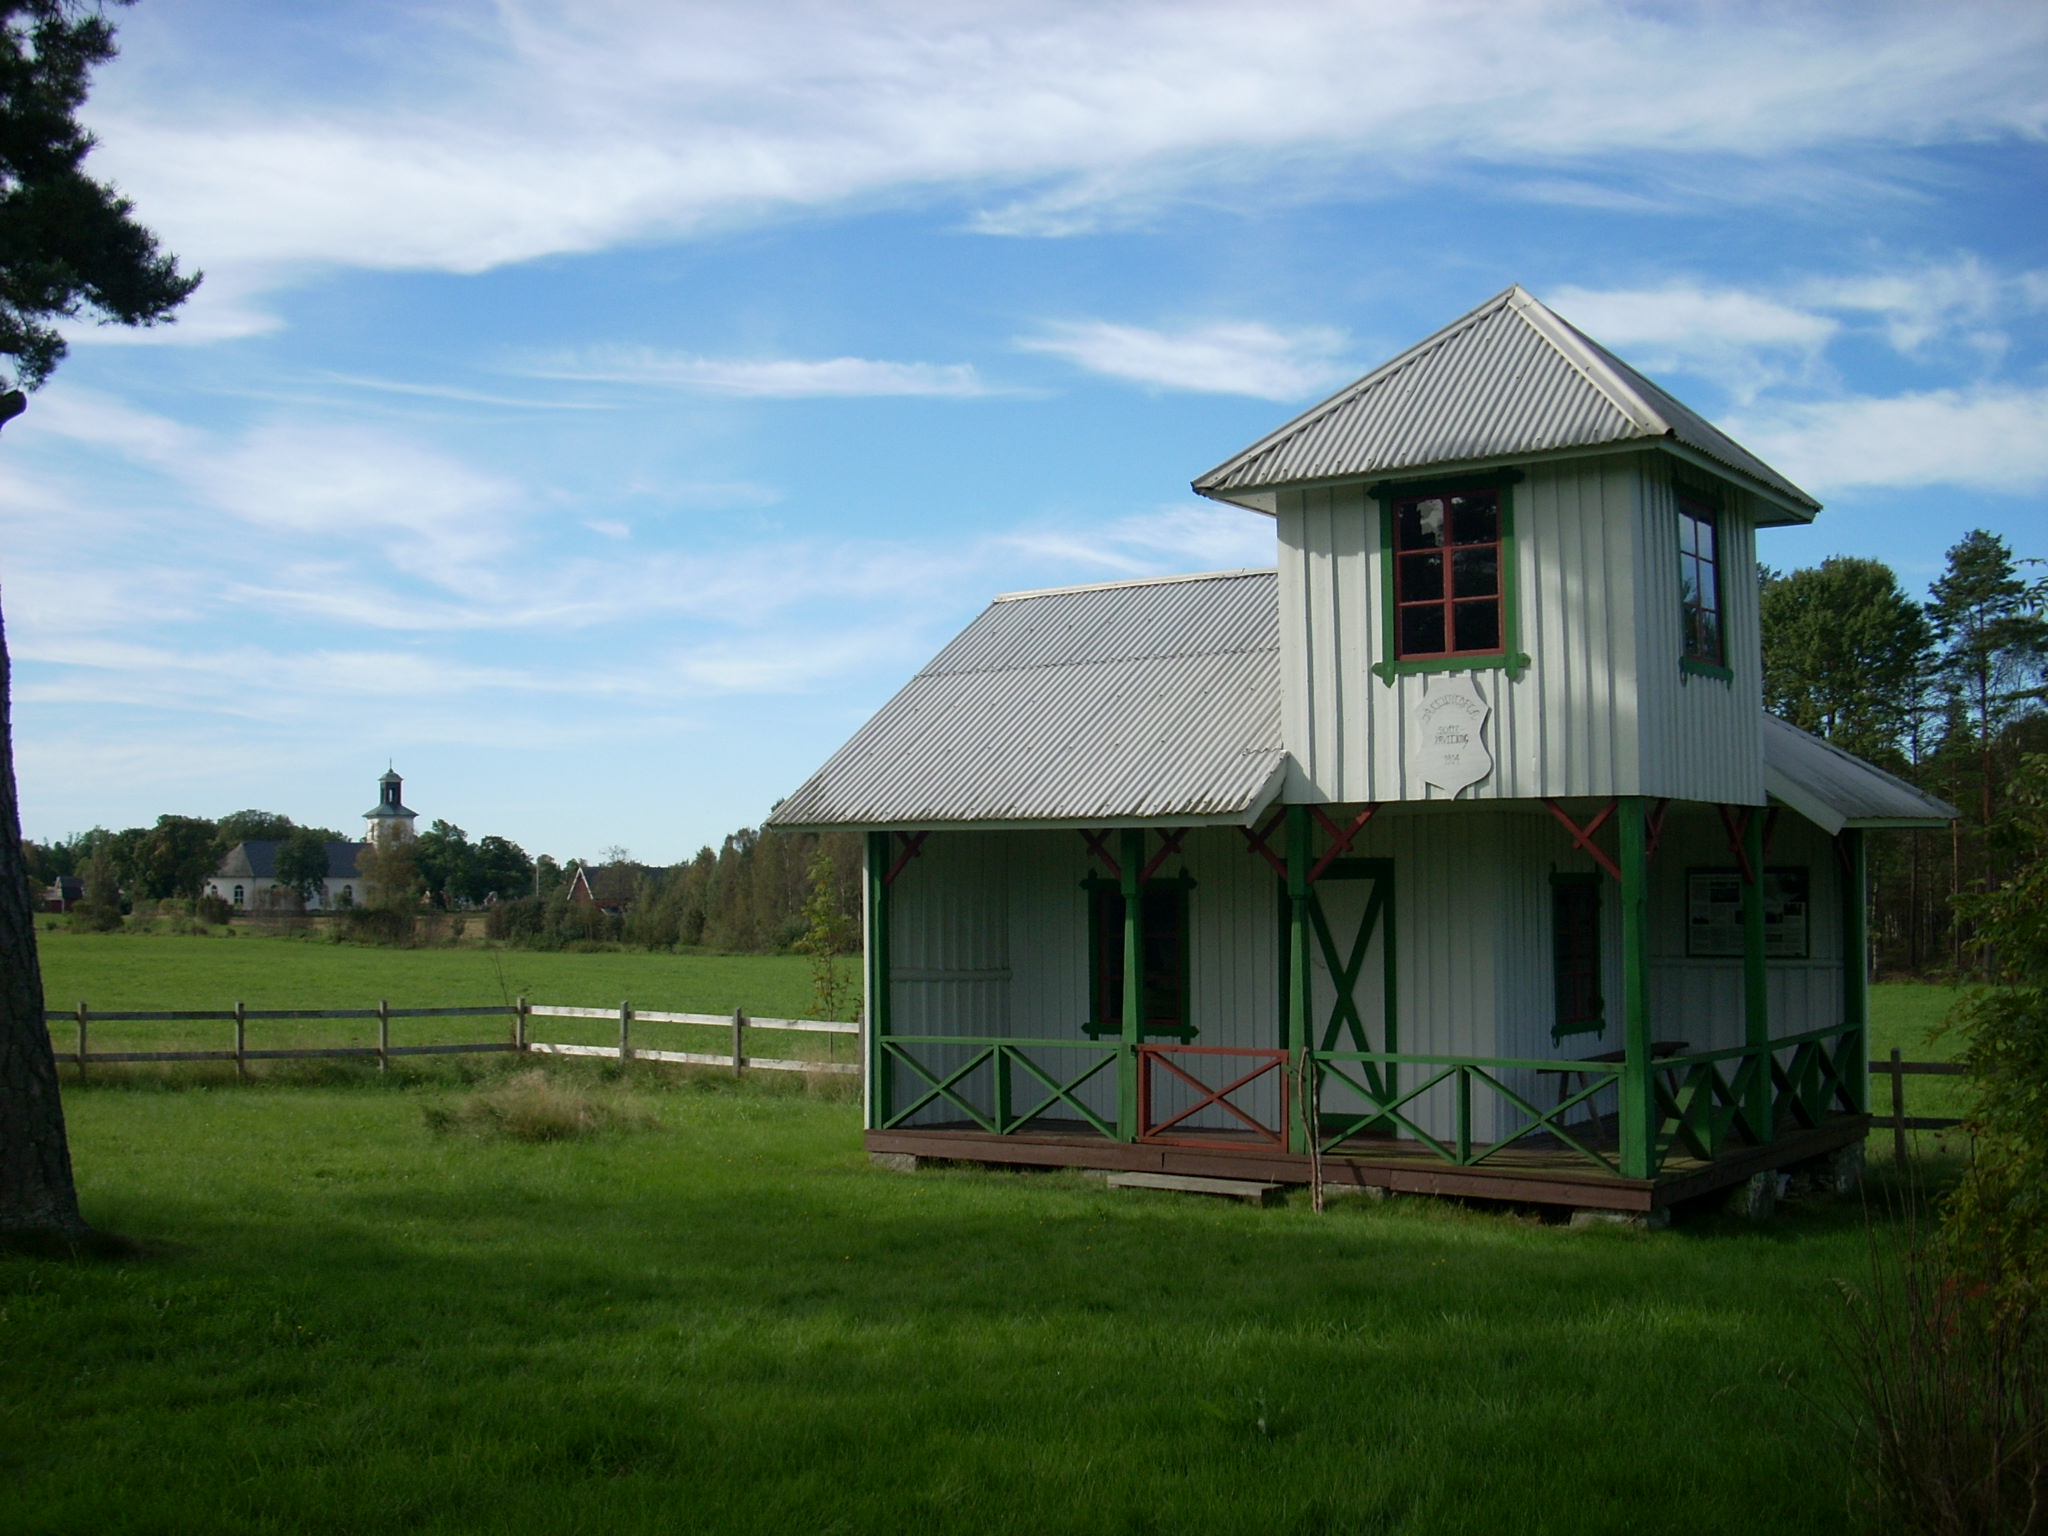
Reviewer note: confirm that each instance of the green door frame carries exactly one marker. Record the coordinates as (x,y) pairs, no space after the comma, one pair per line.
(877,957)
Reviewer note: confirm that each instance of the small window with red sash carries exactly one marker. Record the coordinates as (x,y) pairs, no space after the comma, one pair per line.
(1447,575)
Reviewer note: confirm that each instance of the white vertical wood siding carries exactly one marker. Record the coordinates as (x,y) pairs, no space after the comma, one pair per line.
(949,962)
(1601,709)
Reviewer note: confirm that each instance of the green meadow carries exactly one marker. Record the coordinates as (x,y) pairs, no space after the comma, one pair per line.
(351,1306)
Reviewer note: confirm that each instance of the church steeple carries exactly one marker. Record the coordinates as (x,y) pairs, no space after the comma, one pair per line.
(388,820)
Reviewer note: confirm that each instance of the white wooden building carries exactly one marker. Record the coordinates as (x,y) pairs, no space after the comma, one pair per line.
(1458,849)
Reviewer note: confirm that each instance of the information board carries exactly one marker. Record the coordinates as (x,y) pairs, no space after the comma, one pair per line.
(1713,914)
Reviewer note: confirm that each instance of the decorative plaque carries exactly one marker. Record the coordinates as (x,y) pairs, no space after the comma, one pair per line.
(1446,747)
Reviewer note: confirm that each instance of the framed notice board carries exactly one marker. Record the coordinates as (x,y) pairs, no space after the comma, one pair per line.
(1713,914)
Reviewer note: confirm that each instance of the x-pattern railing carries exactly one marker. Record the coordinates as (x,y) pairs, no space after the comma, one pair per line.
(1000,1116)
(1388,1109)
(1208,1095)
(1703,1098)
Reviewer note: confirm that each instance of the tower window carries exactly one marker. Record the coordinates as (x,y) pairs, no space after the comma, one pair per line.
(1699,582)
(1447,575)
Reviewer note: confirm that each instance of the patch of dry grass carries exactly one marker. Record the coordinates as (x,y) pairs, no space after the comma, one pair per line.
(534,1106)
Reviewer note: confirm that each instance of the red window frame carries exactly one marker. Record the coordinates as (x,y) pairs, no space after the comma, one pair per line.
(1426,599)
(1699,582)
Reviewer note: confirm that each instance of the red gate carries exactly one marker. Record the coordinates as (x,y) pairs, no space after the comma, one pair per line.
(1209,1095)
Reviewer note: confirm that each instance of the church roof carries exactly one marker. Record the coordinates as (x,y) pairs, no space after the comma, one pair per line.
(1510,380)
(257,860)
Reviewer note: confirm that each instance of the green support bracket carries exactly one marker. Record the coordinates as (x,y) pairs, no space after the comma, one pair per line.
(1131,858)
(1298,1029)
(1638,1084)
(1756,997)
(1855,1061)
(877,958)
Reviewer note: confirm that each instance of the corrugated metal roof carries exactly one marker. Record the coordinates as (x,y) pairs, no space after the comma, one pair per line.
(1122,702)
(1510,378)
(1833,789)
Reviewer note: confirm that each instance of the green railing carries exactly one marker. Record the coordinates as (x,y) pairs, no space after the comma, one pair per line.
(1389,1106)
(1707,1100)
(993,1100)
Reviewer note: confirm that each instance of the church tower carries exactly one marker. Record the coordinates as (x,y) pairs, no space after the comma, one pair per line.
(388,821)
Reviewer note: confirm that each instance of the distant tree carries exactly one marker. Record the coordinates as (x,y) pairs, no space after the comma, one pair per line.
(391,876)
(176,856)
(253,827)
(827,938)
(444,858)
(302,862)
(1846,655)
(67,244)
(1994,642)
(500,868)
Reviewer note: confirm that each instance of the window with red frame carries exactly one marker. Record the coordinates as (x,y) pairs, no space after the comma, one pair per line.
(1699,582)
(1447,575)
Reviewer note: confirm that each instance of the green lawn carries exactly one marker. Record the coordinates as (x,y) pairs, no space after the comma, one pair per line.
(729,1323)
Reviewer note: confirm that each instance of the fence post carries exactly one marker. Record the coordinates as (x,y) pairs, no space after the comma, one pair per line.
(83,1014)
(625,1033)
(241,1041)
(1898,1112)
(519,1026)
(739,1025)
(383,1034)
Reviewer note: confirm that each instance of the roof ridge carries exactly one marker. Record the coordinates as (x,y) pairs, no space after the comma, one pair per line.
(1586,359)
(1135,581)
(1357,387)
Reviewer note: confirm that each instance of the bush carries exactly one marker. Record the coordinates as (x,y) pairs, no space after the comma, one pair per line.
(94,917)
(375,925)
(534,1107)
(213,910)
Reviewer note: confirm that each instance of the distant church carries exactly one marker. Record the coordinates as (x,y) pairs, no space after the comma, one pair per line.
(247,877)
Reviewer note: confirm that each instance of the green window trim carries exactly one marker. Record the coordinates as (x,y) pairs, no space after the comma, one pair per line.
(1692,666)
(1099,887)
(1509,658)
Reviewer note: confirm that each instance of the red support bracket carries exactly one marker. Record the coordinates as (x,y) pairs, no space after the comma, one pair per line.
(1169,845)
(1737,828)
(1654,829)
(1260,845)
(1582,837)
(913,845)
(1097,844)
(1340,842)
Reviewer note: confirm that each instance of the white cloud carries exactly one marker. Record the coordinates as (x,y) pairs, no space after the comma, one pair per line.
(1919,305)
(765,378)
(1245,358)
(1743,341)
(1991,439)
(533,130)
(1170,539)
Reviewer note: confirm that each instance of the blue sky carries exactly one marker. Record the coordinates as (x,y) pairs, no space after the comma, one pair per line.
(599,410)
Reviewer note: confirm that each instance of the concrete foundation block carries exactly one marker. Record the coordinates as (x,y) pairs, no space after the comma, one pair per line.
(895,1162)
(1845,1169)
(1757,1196)
(1355,1191)
(1634,1221)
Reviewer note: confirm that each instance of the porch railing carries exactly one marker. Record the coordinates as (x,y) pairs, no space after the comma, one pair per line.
(1369,1074)
(1219,1078)
(1706,1100)
(984,1084)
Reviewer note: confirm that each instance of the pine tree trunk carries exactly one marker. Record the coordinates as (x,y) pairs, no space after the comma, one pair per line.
(36,1192)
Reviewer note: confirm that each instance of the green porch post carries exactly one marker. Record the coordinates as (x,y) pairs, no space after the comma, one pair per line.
(877,958)
(1638,1085)
(1297,1032)
(1131,861)
(1756,997)
(1855,1051)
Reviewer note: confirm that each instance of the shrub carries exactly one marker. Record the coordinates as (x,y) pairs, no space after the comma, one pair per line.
(375,925)
(213,910)
(532,1106)
(94,917)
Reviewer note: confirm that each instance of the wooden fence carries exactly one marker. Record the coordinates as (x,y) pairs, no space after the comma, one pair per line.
(1898,1122)
(518,1016)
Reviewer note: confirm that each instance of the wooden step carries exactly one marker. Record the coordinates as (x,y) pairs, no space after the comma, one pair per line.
(1191,1184)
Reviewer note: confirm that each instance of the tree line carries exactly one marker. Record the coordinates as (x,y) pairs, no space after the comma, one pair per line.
(1948,694)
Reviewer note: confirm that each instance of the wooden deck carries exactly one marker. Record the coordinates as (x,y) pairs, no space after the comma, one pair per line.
(1533,1174)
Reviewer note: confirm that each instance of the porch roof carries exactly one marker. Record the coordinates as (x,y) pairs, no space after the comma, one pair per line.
(1122,703)
(1833,789)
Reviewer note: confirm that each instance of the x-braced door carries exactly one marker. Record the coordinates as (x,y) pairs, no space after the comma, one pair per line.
(1351,976)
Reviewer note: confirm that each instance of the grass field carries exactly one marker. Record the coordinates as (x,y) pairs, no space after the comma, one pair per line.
(723,1320)
(726,1322)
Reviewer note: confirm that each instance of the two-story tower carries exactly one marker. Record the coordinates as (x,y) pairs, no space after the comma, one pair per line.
(388,821)
(1458,848)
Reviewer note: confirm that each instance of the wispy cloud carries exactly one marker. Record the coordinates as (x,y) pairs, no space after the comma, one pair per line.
(1991,438)
(1244,358)
(764,378)
(535,130)
(1172,538)
(1743,341)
